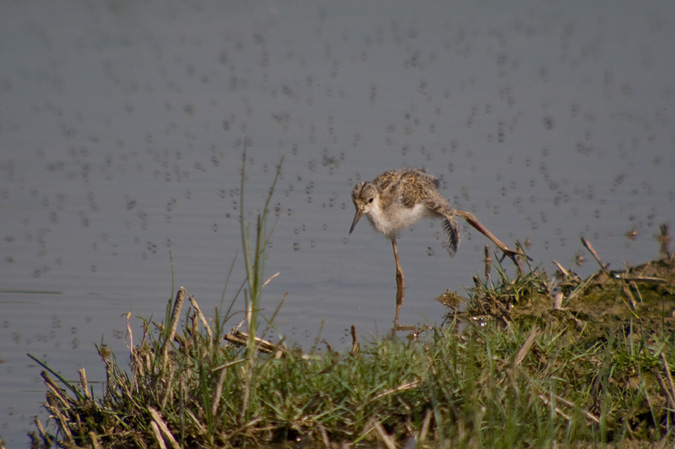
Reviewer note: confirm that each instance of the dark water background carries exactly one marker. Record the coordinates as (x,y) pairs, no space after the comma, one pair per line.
(122,126)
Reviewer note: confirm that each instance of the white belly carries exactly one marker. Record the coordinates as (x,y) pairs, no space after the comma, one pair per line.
(390,223)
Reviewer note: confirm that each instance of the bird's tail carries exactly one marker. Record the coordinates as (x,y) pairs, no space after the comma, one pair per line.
(452,230)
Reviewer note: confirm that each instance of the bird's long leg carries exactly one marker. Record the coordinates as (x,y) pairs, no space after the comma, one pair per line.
(473,221)
(400,283)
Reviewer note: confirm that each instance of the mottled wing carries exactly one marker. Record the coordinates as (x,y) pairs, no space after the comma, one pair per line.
(387,185)
(415,186)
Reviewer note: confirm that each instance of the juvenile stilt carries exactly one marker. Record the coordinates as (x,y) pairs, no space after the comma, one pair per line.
(396,199)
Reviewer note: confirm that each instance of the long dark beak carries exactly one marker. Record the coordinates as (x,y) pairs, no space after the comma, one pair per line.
(357,217)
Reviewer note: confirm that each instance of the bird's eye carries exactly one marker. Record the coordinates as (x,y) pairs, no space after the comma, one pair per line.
(371,200)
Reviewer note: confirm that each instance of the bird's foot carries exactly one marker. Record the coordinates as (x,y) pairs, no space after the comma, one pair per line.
(404,327)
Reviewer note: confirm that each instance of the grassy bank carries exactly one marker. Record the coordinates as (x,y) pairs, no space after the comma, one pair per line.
(506,373)
(537,360)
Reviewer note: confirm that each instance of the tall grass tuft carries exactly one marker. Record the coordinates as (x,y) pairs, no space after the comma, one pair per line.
(254,261)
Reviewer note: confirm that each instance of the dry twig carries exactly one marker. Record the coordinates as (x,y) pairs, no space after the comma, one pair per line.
(590,249)
(386,439)
(166,433)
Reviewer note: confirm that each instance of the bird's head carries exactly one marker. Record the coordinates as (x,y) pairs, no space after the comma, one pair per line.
(364,197)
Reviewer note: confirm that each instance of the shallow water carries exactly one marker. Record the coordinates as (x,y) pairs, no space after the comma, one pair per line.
(122,129)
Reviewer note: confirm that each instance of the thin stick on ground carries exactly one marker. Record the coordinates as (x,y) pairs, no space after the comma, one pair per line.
(589,416)
(217,394)
(205,323)
(158,435)
(595,255)
(94,440)
(561,268)
(43,434)
(83,383)
(166,433)
(526,346)
(356,347)
(324,436)
(664,240)
(667,384)
(488,262)
(386,439)
(422,436)
(175,315)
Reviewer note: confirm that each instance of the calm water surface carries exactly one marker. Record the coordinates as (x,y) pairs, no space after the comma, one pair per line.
(122,129)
